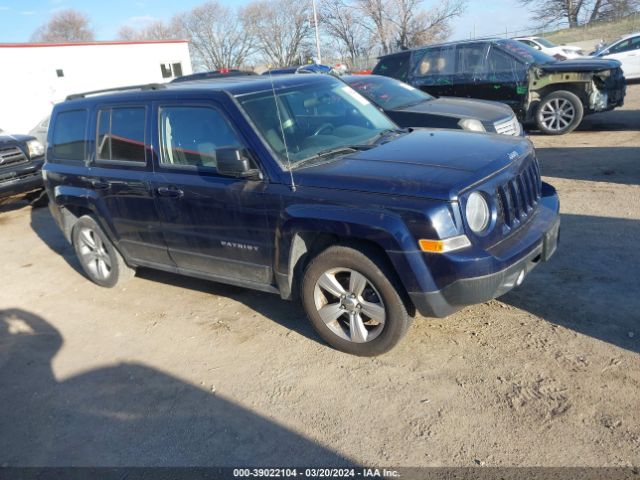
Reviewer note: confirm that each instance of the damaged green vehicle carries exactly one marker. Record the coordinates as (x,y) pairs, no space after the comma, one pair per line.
(551,94)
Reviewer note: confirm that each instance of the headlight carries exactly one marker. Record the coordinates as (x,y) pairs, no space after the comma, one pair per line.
(477,212)
(35,148)
(472,125)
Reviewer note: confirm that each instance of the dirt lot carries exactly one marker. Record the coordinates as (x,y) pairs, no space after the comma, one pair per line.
(175,371)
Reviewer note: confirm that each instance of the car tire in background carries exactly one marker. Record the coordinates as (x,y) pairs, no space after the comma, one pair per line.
(559,112)
(99,259)
(352,299)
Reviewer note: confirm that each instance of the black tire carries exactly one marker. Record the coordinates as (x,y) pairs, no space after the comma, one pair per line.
(102,263)
(38,199)
(381,290)
(559,112)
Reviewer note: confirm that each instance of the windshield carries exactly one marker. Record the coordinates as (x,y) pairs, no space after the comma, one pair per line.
(314,119)
(544,42)
(387,92)
(525,52)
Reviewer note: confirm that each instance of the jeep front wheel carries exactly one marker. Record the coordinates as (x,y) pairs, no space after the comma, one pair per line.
(102,263)
(559,113)
(352,302)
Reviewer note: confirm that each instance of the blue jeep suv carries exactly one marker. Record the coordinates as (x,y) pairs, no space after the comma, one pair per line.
(299,186)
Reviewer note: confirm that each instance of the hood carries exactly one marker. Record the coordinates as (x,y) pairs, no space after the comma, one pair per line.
(436,164)
(7,139)
(581,65)
(485,111)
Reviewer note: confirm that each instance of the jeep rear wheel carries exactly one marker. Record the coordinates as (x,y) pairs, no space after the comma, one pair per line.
(99,259)
(352,302)
(559,113)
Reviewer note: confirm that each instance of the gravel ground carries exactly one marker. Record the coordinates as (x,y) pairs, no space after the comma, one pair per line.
(176,371)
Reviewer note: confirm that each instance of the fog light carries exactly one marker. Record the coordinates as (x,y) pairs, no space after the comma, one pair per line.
(520,278)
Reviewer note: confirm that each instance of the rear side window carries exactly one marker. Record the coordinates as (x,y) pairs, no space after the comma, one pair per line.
(396,66)
(191,135)
(436,61)
(121,135)
(69,135)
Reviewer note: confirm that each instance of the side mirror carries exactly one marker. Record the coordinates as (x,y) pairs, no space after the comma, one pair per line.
(235,162)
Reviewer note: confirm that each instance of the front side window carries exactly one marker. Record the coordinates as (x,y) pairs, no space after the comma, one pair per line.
(69,135)
(545,43)
(524,52)
(121,135)
(302,122)
(503,67)
(626,45)
(190,136)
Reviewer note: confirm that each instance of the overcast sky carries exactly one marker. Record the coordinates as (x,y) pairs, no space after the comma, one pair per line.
(19,18)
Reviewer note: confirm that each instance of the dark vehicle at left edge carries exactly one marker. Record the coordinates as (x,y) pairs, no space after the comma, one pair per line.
(21,159)
(410,107)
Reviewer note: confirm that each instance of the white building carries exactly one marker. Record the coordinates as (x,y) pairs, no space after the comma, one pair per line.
(39,75)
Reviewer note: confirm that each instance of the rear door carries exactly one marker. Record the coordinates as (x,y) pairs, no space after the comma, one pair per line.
(213,225)
(120,174)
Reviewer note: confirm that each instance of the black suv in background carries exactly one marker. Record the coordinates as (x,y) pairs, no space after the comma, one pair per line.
(555,95)
(21,159)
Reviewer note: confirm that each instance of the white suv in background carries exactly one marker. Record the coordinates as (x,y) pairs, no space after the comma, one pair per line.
(627,51)
(545,46)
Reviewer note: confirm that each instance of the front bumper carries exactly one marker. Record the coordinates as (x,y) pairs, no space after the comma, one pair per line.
(469,291)
(20,185)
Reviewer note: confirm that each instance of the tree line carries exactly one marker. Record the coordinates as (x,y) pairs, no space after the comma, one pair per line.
(579,12)
(281,32)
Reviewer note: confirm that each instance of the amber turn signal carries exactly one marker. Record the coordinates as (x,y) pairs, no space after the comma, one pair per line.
(444,246)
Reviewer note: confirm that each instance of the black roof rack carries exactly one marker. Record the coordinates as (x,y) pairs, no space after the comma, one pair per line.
(148,86)
(212,74)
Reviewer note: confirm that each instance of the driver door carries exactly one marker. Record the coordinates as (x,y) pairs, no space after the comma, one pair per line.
(213,225)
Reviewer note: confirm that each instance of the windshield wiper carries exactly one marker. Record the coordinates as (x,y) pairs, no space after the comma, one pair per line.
(328,152)
(390,131)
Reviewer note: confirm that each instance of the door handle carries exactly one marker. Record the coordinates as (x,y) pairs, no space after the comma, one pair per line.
(99,184)
(170,192)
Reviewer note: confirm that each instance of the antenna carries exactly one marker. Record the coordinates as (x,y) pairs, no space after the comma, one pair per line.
(284,140)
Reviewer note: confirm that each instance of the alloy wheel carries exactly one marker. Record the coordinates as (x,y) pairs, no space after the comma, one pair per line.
(349,305)
(557,114)
(94,254)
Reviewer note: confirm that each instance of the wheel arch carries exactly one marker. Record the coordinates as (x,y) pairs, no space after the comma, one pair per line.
(303,237)
(73,203)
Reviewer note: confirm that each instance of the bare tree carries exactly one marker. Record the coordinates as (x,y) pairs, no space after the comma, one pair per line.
(157,30)
(405,23)
(415,26)
(216,35)
(281,28)
(344,24)
(548,12)
(377,14)
(65,26)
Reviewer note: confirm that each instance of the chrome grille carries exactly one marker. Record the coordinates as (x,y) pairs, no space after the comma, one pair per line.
(517,198)
(508,127)
(11,156)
